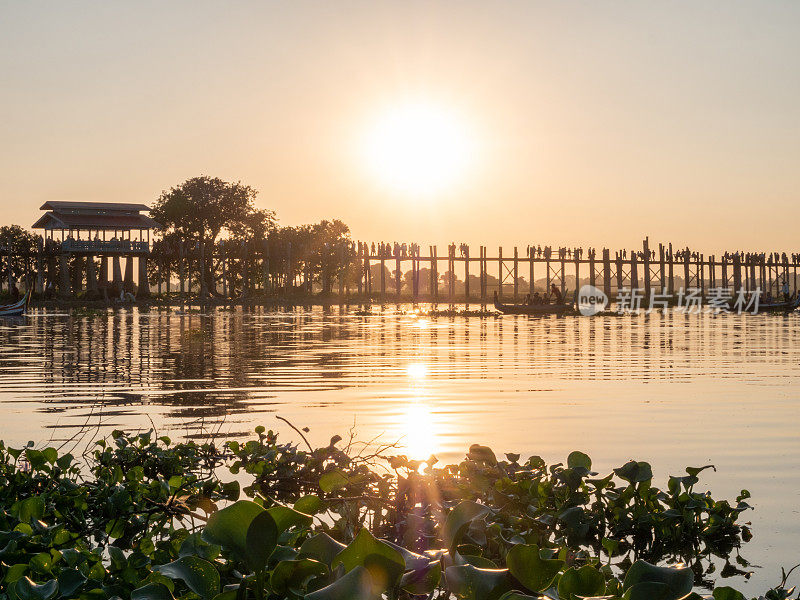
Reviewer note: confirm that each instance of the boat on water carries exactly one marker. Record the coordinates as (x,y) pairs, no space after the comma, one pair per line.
(779,306)
(531,309)
(16,309)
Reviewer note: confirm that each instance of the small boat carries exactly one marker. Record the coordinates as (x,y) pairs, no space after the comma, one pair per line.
(16,309)
(531,309)
(779,306)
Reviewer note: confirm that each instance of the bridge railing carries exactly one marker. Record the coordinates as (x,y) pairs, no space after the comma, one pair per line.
(108,246)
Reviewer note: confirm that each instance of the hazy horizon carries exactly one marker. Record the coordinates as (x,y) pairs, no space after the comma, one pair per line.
(587,123)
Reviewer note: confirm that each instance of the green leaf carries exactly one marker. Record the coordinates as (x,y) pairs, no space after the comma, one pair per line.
(97,572)
(586,581)
(294,575)
(321,547)
(384,563)
(41,563)
(355,585)
(649,590)
(333,480)
(530,569)
(50,455)
(199,575)
(26,589)
(195,545)
(15,572)
(362,546)
(151,591)
(475,560)
(35,458)
(727,593)
(424,580)
(678,580)
(246,529)
(30,509)
(231,490)
(70,580)
(695,471)
(482,454)
(517,596)
(611,546)
(413,560)
(115,528)
(579,459)
(635,472)
(286,518)
(65,460)
(309,505)
(471,583)
(459,520)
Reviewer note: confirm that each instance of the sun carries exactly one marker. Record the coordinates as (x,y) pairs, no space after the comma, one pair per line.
(419,148)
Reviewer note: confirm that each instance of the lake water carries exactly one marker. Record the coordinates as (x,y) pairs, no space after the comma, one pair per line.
(675,390)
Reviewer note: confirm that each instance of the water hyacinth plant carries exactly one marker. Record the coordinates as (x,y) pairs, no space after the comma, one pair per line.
(143,518)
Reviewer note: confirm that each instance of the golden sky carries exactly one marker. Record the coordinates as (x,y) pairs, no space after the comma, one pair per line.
(591,123)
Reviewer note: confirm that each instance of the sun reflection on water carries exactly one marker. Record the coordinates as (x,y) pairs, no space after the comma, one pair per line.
(417,371)
(420,439)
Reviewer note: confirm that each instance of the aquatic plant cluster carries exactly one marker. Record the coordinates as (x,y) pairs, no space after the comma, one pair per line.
(138,516)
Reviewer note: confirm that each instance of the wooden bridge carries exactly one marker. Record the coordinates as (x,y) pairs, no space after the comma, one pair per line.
(362,271)
(662,270)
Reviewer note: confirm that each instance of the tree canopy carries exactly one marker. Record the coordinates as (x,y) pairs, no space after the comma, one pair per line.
(201,208)
(22,245)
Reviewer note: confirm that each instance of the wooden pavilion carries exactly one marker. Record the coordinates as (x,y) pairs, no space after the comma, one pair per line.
(78,232)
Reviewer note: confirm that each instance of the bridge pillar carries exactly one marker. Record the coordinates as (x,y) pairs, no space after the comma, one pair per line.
(92,291)
(116,286)
(128,284)
(737,273)
(144,283)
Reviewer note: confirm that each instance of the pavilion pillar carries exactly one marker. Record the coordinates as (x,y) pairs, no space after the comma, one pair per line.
(64,286)
(116,286)
(102,283)
(77,274)
(144,283)
(52,273)
(128,285)
(92,290)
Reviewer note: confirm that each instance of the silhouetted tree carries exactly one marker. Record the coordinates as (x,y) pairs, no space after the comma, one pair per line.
(22,246)
(201,209)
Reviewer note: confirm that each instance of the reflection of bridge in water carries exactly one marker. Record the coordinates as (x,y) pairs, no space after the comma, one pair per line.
(235,366)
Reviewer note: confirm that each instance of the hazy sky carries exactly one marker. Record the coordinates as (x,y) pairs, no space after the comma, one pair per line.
(590,122)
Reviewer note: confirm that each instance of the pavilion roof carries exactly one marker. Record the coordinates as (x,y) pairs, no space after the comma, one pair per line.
(96,207)
(94,215)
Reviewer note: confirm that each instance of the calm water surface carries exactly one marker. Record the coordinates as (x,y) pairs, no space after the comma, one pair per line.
(674,390)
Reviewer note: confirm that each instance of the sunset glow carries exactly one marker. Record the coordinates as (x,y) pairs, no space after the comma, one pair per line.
(418,149)
(366,300)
